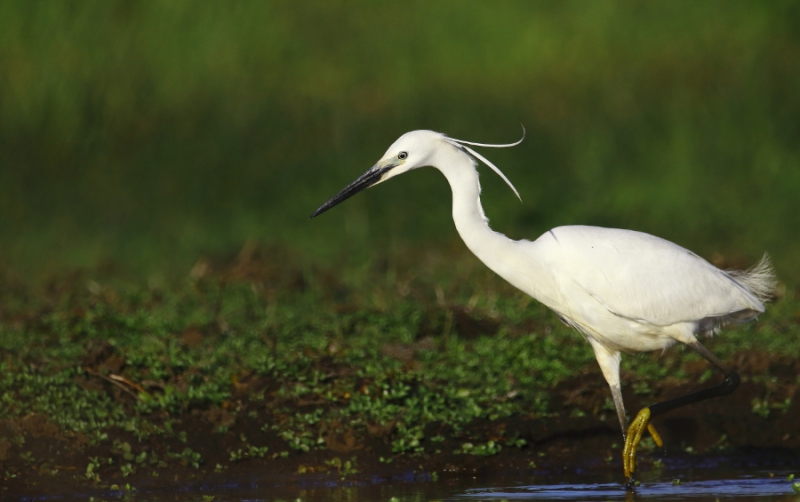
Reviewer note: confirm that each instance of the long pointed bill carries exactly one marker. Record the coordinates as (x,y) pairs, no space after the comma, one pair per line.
(371,177)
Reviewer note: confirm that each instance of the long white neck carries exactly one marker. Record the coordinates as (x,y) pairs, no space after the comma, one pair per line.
(468,215)
(518,262)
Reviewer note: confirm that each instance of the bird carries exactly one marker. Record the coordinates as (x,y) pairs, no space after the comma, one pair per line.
(623,290)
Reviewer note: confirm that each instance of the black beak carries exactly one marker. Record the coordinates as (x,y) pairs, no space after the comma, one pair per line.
(366,180)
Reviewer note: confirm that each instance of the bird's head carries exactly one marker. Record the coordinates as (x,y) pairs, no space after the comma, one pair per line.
(412,150)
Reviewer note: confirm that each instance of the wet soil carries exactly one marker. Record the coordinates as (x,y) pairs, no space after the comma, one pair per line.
(759,416)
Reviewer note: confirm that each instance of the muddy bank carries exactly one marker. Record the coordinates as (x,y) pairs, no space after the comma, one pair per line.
(37,458)
(255,369)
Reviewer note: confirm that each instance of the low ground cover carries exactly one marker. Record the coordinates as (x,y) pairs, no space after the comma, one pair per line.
(254,360)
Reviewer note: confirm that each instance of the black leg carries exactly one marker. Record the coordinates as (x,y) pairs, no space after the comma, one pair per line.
(642,420)
(727,386)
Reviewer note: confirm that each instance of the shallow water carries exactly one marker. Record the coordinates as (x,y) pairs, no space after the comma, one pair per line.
(753,487)
(745,488)
(761,476)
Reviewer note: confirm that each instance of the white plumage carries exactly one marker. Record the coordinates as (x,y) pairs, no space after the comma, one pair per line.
(625,291)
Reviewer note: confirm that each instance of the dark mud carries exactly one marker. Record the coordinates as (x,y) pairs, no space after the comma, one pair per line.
(718,431)
(222,444)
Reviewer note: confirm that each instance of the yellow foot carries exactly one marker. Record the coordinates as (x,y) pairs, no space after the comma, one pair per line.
(635,431)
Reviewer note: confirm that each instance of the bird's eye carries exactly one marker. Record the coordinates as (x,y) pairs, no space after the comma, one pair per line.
(402,155)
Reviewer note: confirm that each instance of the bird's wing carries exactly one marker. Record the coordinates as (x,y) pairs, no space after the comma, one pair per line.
(639,276)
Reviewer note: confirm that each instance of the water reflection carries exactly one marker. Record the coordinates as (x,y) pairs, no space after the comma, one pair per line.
(754,488)
(761,475)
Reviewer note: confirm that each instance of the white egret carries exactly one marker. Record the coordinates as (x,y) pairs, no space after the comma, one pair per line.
(624,291)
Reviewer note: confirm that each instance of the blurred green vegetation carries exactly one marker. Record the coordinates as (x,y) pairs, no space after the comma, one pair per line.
(148,139)
(148,134)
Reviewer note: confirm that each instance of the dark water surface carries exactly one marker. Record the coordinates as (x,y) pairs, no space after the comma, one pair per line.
(762,476)
(743,488)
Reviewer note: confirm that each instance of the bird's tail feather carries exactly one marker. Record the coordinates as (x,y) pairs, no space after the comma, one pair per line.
(759,280)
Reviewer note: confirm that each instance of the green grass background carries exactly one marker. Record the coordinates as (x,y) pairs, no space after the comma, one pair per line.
(148,134)
(140,141)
